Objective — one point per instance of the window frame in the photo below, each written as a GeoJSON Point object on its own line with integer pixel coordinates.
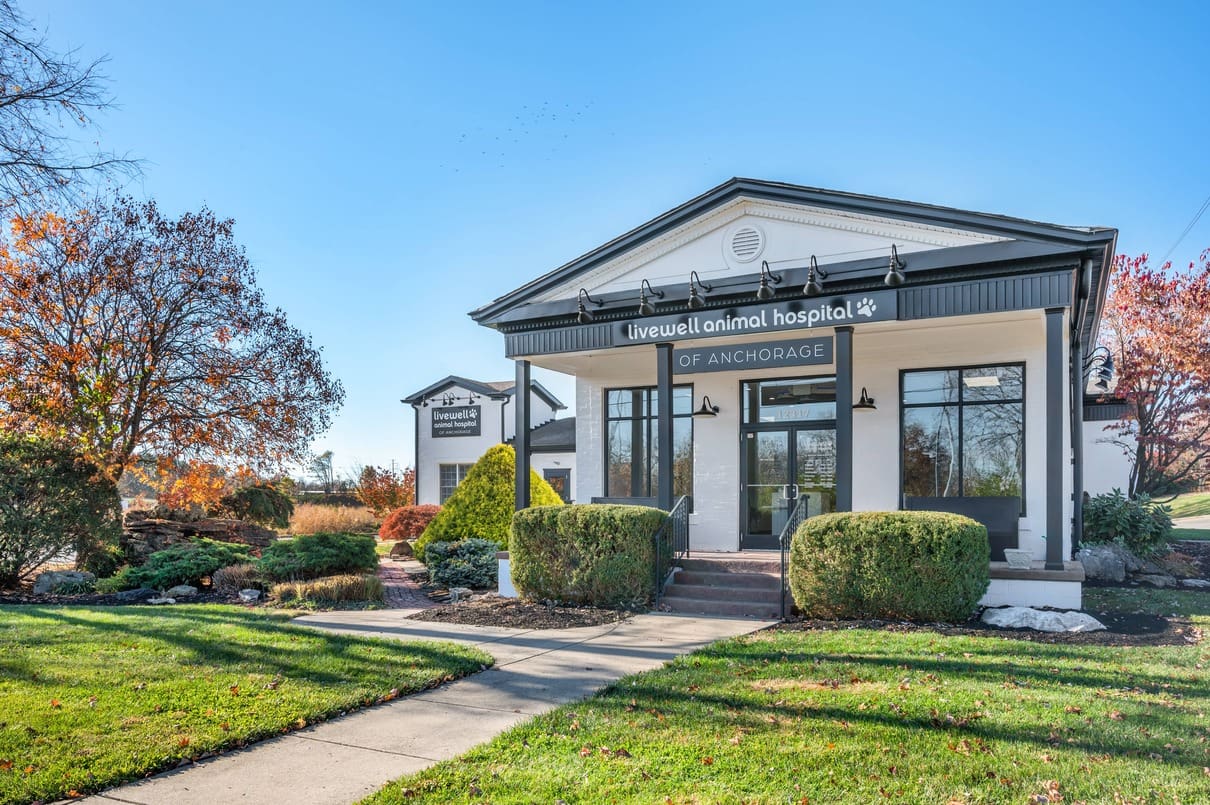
{"type": "Point", "coordinates": [959, 403]}
{"type": "Point", "coordinates": [460, 472]}
{"type": "Point", "coordinates": [606, 419]}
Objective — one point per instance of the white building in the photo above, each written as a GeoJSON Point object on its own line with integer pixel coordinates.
{"type": "Point", "coordinates": [846, 351]}
{"type": "Point", "coordinates": [457, 420]}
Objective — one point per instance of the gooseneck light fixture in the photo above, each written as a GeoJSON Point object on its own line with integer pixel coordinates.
{"type": "Point", "coordinates": [695, 299]}
{"type": "Point", "coordinates": [814, 287]}
{"type": "Point", "coordinates": [865, 403]}
{"type": "Point", "coordinates": [894, 273]}
{"type": "Point", "coordinates": [583, 316]}
{"type": "Point", "coordinates": [708, 408]}
{"type": "Point", "coordinates": [1100, 363]}
{"type": "Point", "coordinates": [765, 291]}
{"type": "Point", "coordinates": [645, 306]}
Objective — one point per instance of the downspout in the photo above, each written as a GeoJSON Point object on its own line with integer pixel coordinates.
{"type": "Point", "coordinates": [503, 404]}
{"type": "Point", "coordinates": [1078, 348]}
{"type": "Point", "coordinates": [416, 451]}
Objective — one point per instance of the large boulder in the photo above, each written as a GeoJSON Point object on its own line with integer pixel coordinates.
{"type": "Point", "coordinates": [143, 533]}
{"type": "Point", "coordinates": [51, 580]}
{"type": "Point", "coordinates": [402, 549]}
{"type": "Point", "coordinates": [1041, 620]}
{"type": "Point", "coordinates": [1108, 561]}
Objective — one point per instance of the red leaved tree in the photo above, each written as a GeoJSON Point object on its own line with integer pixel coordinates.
{"type": "Point", "coordinates": [1157, 325]}
{"type": "Point", "coordinates": [382, 490]}
{"type": "Point", "coordinates": [129, 333]}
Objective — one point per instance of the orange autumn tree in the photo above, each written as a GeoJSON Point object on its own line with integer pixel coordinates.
{"type": "Point", "coordinates": [130, 333]}
{"type": "Point", "coordinates": [1157, 326]}
{"type": "Point", "coordinates": [383, 490]}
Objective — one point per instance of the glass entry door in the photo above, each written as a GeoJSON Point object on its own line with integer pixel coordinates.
{"type": "Point", "coordinates": [779, 466]}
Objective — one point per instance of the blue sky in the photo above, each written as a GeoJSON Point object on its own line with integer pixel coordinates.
{"type": "Point", "coordinates": [391, 166]}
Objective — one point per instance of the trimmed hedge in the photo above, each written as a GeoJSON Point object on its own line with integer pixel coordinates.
{"type": "Point", "coordinates": [312, 555]}
{"type": "Point", "coordinates": [597, 554]}
{"type": "Point", "coordinates": [482, 505]}
{"type": "Point", "coordinates": [917, 565]}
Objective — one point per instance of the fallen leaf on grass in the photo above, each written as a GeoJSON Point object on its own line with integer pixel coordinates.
{"type": "Point", "coordinates": [55, 703]}
{"type": "Point", "coordinates": [7, 765]}
{"type": "Point", "coordinates": [707, 761]}
{"type": "Point", "coordinates": [1116, 715]}
{"type": "Point", "coordinates": [234, 690]}
{"type": "Point", "coordinates": [1071, 708]}
{"type": "Point", "coordinates": [183, 741]}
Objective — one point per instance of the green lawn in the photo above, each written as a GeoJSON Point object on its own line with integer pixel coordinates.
{"type": "Point", "coordinates": [93, 696]}
{"type": "Point", "coordinates": [1189, 533]}
{"type": "Point", "coordinates": [860, 716]}
{"type": "Point", "coordinates": [1192, 504]}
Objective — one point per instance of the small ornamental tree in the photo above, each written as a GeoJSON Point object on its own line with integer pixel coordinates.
{"type": "Point", "coordinates": [1156, 326]}
{"type": "Point", "coordinates": [383, 490]}
{"type": "Point", "coordinates": [51, 501]}
{"type": "Point", "coordinates": [483, 504]}
{"type": "Point", "coordinates": [408, 522]}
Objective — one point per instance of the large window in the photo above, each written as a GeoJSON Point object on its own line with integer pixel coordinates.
{"type": "Point", "coordinates": [632, 446]}
{"type": "Point", "coordinates": [449, 476]}
{"type": "Point", "coordinates": [964, 432]}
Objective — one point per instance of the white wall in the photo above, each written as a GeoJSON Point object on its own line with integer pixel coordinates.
{"type": "Point", "coordinates": [432, 452]}
{"type": "Point", "coordinates": [1106, 465]}
{"type": "Point", "coordinates": [880, 352]}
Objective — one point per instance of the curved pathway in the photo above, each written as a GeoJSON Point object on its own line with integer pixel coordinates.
{"type": "Point", "coordinates": [399, 590]}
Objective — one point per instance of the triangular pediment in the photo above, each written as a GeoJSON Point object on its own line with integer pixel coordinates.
{"type": "Point", "coordinates": [734, 239]}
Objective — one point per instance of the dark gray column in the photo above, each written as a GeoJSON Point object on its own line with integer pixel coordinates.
{"type": "Point", "coordinates": [1054, 438]}
{"type": "Point", "coordinates": [844, 419]}
{"type": "Point", "coordinates": [663, 426]}
{"type": "Point", "coordinates": [1077, 442]}
{"type": "Point", "coordinates": [521, 439]}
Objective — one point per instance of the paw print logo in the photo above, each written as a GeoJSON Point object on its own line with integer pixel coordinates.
{"type": "Point", "coordinates": [866, 306]}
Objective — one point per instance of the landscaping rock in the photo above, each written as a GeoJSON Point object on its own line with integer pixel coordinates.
{"type": "Point", "coordinates": [181, 591]}
{"type": "Point", "coordinates": [460, 594]}
{"type": "Point", "coordinates": [1108, 561]}
{"type": "Point", "coordinates": [1161, 580]}
{"type": "Point", "coordinates": [402, 548]}
{"type": "Point", "coordinates": [249, 596]}
{"type": "Point", "coordinates": [161, 600]}
{"type": "Point", "coordinates": [48, 581]}
{"type": "Point", "coordinates": [1196, 584]}
{"type": "Point", "coordinates": [143, 533]}
{"type": "Point", "coordinates": [1041, 620]}
{"type": "Point", "coordinates": [134, 596]}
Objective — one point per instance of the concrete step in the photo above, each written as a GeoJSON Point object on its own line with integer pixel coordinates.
{"type": "Point", "coordinates": [731, 565]}
{"type": "Point", "coordinates": [756, 580]}
{"type": "Point", "coordinates": [740, 594]}
{"type": "Point", "coordinates": [743, 609]}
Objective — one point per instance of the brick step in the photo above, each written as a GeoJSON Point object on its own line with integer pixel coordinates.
{"type": "Point", "coordinates": [761, 581]}
{"type": "Point", "coordinates": [739, 594]}
{"type": "Point", "coordinates": [744, 609]}
{"type": "Point", "coordinates": [728, 565]}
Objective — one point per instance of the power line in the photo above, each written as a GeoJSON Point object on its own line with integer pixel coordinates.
{"type": "Point", "coordinates": [1202, 209]}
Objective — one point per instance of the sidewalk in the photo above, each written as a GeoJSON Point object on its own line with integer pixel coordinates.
{"type": "Point", "coordinates": [340, 761]}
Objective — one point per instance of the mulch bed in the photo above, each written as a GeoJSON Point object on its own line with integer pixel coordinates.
{"type": "Point", "coordinates": [1121, 629]}
{"type": "Point", "coordinates": [1199, 550]}
{"type": "Point", "coordinates": [109, 599]}
{"type": "Point", "coordinates": [491, 610]}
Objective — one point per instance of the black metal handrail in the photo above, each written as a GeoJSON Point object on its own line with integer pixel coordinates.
{"type": "Point", "coordinates": [671, 544]}
{"type": "Point", "coordinates": [797, 515]}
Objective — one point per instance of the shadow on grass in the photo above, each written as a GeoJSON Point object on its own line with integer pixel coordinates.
{"type": "Point", "coordinates": [345, 654]}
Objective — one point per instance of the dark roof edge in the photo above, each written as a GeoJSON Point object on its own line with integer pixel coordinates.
{"type": "Point", "coordinates": [481, 388]}
{"type": "Point", "coordinates": [778, 191]}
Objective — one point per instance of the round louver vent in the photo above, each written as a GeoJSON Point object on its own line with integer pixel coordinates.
{"type": "Point", "coordinates": [746, 243]}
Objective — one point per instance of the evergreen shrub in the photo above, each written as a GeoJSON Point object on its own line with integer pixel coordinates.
{"type": "Point", "coordinates": [468, 563]}
{"type": "Point", "coordinates": [482, 505]}
{"type": "Point", "coordinates": [312, 555]}
{"type": "Point", "coordinates": [263, 504]}
{"type": "Point", "coordinates": [597, 554]}
{"type": "Point", "coordinates": [185, 563]}
{"type": "Point", "coordinates": [910, 565]}
{"type": "Point", "coordinates": [1138, 523]}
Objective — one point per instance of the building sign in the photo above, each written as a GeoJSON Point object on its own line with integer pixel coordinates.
{"type": "Point", "coordinates": [456, 420]}
{"type": "Point", "coordinates": [798, 314]}
{"type": "Point", "coordinates": [756, 355]}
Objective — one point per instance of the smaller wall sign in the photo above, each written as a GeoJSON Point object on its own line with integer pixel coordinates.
{"type": "Point", "coordinates": [456, 420]}
{"type": "Point", "coordinates": [757, 355]}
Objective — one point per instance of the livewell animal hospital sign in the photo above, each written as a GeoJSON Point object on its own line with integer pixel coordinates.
{"type": "Point", "coordinates": [799, 314]}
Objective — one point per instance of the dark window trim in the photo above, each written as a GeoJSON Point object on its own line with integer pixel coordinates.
{"type": "Point", "coordinates": [606, 419]}
{"type": "Point", "coordinates": [774, 425]}
{"type": "Point", "coordinates": [959, 403]}
{"type": "Point", "coordinates": [559, 472]}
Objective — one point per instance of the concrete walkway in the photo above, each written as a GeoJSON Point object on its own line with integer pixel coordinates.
{"type": "Point", "coordinates": [340, 761]}
{"type": "Point", "coordinates": [1201, 521]}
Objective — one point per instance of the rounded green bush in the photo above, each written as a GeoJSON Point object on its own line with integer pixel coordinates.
{"type": "Point", "coordinates": [598, 554]}
{"type": "Point", "coordinates": [482, 505]}
{"type": "Point", "coordinates": [1138, 523]}
{"type": "Point", "coordinates": [310, 556]}
{"type": "Point", "coordinates": [917, 565]}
